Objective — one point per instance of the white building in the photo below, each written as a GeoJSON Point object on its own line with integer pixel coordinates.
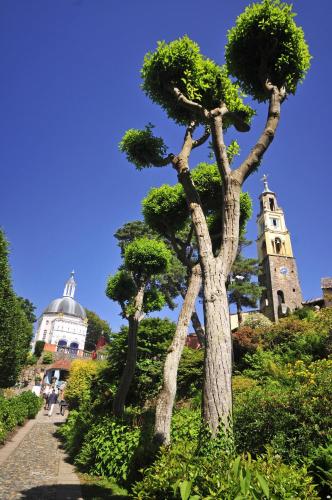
{"type": "Point", "coordinates": [64, 322]}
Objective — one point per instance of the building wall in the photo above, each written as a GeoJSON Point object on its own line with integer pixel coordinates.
{"type": "Point", "coordinates": [55, 327]}
{"type": "Point", "coordinates": [279, 274]}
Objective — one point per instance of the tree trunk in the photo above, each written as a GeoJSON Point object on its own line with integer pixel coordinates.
{"type": "Point", "coordinates": [167, 394]}
{"type": "Point", "coordinates": [129, 369]}
{"type": "Point", "coordinates": [239, 313]}
{"type": "Point", "coordinates": [217, 387]}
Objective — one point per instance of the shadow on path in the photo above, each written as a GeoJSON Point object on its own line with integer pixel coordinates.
{"type": "Point", "coordinates": [69, 492]}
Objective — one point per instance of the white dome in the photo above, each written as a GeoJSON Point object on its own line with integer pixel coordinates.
{"type": "Point", "coordinates": [66, 305]}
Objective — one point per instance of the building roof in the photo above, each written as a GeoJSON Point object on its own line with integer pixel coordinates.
{"type": "Point", "coordinates": [60, 364]}
{"type": "Point", "coordinates": [66, 305]}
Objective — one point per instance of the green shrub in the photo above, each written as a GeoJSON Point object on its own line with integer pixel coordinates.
{"type": "Point", "coordinates": [108, 449]}
{"type": "Point", "coordinates": [195, 467]}
{"type": "Point", "coordinates": [292, 411]}
{"type": "Point", "coordinates": [48, 358]}
{"type": "Point", "coordinates": [321, 468]}
{"type": "Point", "coordinates": [31, 359]}
{"type": "Point", "coordinates": [15, 410]}
{"type": "Point", "coordinates": [39, 347]}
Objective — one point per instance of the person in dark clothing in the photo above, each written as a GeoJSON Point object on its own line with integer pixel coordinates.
{"type": "Point", "coordinates": [52, 399]}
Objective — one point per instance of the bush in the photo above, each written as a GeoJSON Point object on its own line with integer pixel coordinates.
{"type": "Point", "coordinates": [291, 411]}
{"type": "Point", "coordinates": [48, 358]}
{"type": "Point", "coordinates": [39, 347]}
{"type": "Point", "coordinates": [108, 449]}
{"type": "Point", "coordinates": [15, 410]}
{"type": "Point", "coordinates": [197, 467]}
{"type": "Point", "coordinates": [31, 359]}
{"type": "Point", "coordinates": [82, 373]}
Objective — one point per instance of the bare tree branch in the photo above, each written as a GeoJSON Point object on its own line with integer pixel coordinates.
{"type": "Point", "coordinates": [202, 139]}
{"type": "Point", "coordinates": [277, 96]}
{"type": "Point", "coordinates": [164, 161]}
{"type": "Point", "coordinates": [188, 104]}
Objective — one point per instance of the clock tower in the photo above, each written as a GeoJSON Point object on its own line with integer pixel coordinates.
{"type": "Point", "coordinates": [279, 272]}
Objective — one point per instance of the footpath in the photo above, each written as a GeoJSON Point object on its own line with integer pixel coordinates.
{"type": "Point", "coordinates": [33, 466]}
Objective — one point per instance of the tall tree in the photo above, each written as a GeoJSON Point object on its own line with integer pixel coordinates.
{"type": "Point", "coordinates": [15, 328]}
{"type": "Point", "coordinates": [268, 56]}
{"type": "Point", "coordinates": [165, 210]}
{"type": "Point", "coordinates": [96, 328]}
{"type": "Point", "coordinates": [29, 309]}
{"type": "Point", "coordinates": [134, 288]}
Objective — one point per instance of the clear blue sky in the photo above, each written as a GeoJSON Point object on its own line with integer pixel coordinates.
{"type": "Point", "coordinates": [70, 87]}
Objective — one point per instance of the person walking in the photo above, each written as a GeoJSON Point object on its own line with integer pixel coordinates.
{"type": "Point", "coordinates": [52, 399]}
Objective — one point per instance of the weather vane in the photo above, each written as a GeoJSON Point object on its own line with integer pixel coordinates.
{"type": "Point", "coordinates": [264, 179]}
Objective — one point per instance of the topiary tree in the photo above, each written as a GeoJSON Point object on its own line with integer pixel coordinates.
{"type": "Point", "coordinates": [137, 293]}
{"type": "Point", "coordinates": [267, 54]}
{"type": "Point", "coordinates": [165, 211]}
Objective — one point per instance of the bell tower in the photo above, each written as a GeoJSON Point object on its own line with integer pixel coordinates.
{"type": "Point", "coordinates": [279, 272]}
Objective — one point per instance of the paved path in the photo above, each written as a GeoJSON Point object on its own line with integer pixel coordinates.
{"type": "Point", "coordinates": [33, 466]}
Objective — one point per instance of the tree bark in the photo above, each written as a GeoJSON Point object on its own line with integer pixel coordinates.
{"type": "Point", "coordinates": [217, 391]}
{"type": "Point", "coordinates": [129, 369]}
{"type": "Point", "coordinates": [239, 313]}
{"type": "Point", "coordinates": [167, 394]}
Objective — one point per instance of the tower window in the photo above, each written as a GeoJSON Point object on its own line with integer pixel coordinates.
{"type": "Point", "coordinates": [281, 297]}
{"type": "Point", "coordinates": [271, 203]}
{"type": "Point", "coordinates": [275, 223]}
{"type": "Point", "coordinates": [277, 242]}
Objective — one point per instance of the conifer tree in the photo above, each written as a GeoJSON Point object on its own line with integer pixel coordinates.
{"type": "Point", "coordinates": [242, 290]}
{"type": "Point", "coordinates": [15, 328]}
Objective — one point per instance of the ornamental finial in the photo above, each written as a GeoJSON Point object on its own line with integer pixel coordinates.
{"type": "Point", "coordinates": [266, 187]}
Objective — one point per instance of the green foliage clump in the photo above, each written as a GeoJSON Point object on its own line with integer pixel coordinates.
{"type": "Point", "coordinates": [142, 148]}
{"type": "Point", "coordinates": [180, 64]}
{"type": "Point", "coordinates": [165, 208]}
{"type": "Point", "coordinates": [82, 373]}
{"type": "Point", "coordinates": [266, 44]}
{"type": "Point", "coordinates": [48, 358]}
{"type": "Point", "coordinates": [153, 340]}
{"type": "Point", "coordinates": [291, 411]}
{"type": "Point", "coordinates": [146, 257]}
{"type": "Point", "coordinates": [190, 372]}
{"type": "Point", "coordinates": [97, 327]}
{"type": "Point", "coordinates": [121, 287]}
{"type": "Point", "coordinates": [108, 448]}
{"type": "Point", "coordinates": [39, 347]}
{"type": "Point", "coordinates": [195, 466]}
{"type": "Point", "coordinates": [15, 410]}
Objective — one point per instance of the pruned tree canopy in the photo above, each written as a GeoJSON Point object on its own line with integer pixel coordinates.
{"type": "Point", "coordinates": [266, 45]}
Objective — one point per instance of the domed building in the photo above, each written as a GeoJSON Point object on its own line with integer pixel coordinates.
{"type": "Point", "coordinates": [63, 322]}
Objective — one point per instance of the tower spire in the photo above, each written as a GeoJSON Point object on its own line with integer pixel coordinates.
{"type": "Point", "coordinates": [70, 286]}
{"type": "Point", "coordinates": [266, 187]}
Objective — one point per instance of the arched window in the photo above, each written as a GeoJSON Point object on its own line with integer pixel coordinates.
{"type": "Point", "coordinates": [62, 343]}
{"type": "Point", "coordinates": [271, 203]}
{"type": "Point", "coordinates": [281, 297]}
{"type": "Point", "coordinates": [73, 346]}
{"type": "Point", "coordinates": [277, 242]}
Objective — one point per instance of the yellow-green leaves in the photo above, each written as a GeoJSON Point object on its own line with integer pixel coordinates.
{"type": "Point", "coordinates": [179, 64]}
{"type": "Point", "coordinates": [165, 208]}
{"type": "Point", "coordinates": [147, 257]}
{"type": "Point", "coordinates": [142, 148]}
{"type": "Point", "coordinates": [266, 44]}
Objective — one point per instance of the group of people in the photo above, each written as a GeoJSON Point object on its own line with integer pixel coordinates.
{"type": "Point", "coordinates": [52, 394]}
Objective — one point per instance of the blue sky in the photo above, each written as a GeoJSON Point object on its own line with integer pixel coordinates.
{"type": "Point", "coordinates": [70, 87]}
